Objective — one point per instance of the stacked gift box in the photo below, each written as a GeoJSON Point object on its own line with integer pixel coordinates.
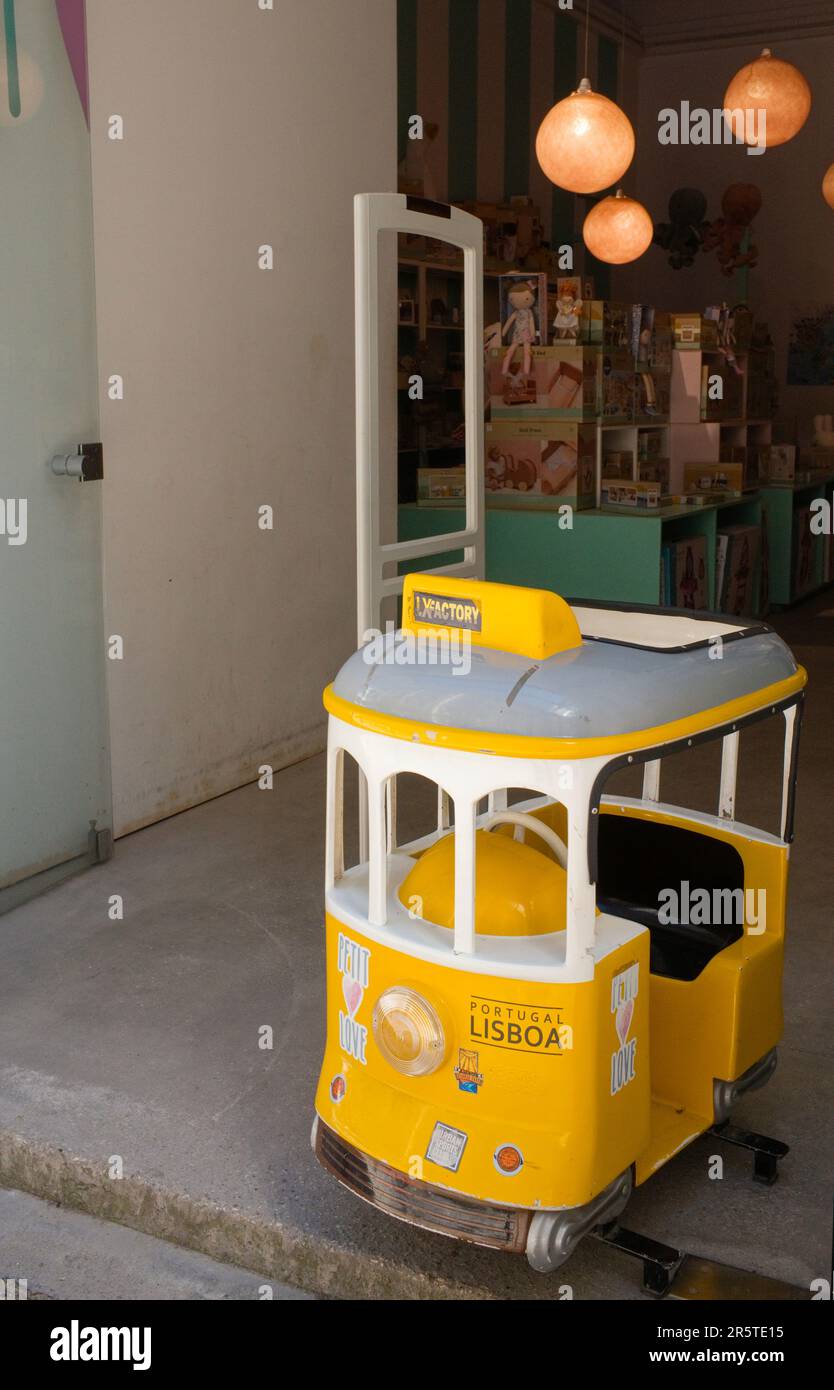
{"type": "Point", "coordinates": [540, 463]}
{"type": "Point", "coordinates": [608, 362]}
{"type": "Point", "coordinates": [543, 401]}
{"type": "Point", "coordinates": [722, 388]}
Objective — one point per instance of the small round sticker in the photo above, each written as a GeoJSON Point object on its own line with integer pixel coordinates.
{"type": "Point", "coordinates": [338, 1087]}
{"type": "Point", "coordinates": [508, 1160]}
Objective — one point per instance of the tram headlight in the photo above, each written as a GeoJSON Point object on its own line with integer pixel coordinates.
{"type": "Point", "coordinates": [408, 1032]}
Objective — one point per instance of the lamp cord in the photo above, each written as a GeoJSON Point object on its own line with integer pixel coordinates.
{"type": "Point", "coordinates": [587, 32]}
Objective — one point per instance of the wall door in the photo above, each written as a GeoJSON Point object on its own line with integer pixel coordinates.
{"type": "Point", "coordinates": [54, 773]}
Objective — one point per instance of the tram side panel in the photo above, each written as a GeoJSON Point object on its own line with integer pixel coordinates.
{"type": "Point", "coordinates": [560, 1071]}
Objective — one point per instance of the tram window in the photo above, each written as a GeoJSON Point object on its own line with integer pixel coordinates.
{"type": "Point", "coordinates": [639, 860]}
{"type": "Point", "coordinates": [417, 807]}
{"type": "Point", "coordinates": [761, 748]}
{"type": "Point", "coordinates": [515, 795]}
{"type": "Point", "coordinates": [351, 810]}
{"type": "Point", "coordinates": [626, 781]}
{"type": "Point", "coordinates": [691, 777]}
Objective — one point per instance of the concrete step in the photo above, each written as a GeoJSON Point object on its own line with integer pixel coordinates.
{"type": "Point", "coordinates": [226, 1235]}
{"type": "Point", "coordinates": [50, 1252]}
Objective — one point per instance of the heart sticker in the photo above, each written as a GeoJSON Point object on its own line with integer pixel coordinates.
{"type": "Point", "coordinates": [353, 993]}
{"type": "Point", "coordinates": [622, 1021]}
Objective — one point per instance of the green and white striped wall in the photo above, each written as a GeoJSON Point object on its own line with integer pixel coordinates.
{"type": "Point", "coordinates": [487, 71]}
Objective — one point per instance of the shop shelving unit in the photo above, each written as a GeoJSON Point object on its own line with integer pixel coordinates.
{"type": "Point", "coordinates": [781, 504]}
{"type": "Point", "coordinates": [697, 436]}
{"type": "Point", "coordinates": [612, 554]}
{"type": "Point", "coordinates": [426, 429]}
{"type": "Point", "coordinates": [606, 555]}
{"type": "Point", "coordinates": [426, 435]}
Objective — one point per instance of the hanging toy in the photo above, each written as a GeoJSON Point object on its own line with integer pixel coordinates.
{"type": "Point", "coordinates": [725, 236]}
{"type": "Point", "coordinates": [683, 234]}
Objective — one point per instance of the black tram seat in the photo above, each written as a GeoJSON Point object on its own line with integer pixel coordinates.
{"type": "Point", "coordinates": [638, 858]}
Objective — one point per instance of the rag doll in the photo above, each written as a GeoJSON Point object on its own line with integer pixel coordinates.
{"type": "Point", "coordinates": [521, 324]}
{"type": "Point", "coordinates": [566, 322]}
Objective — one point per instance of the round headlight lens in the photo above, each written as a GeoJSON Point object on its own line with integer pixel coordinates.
{"type": "Point", "coordinates": [408, 1032]}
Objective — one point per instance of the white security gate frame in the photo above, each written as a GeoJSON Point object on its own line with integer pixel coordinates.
{"type": "Point", "coordinates": [374, 213]}
{"type": "Point", "coordinates": [396, 212]}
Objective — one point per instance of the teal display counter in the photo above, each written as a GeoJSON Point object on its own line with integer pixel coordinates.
{"type": "Point", "coordinates": [606, 555]}
{"type": "Point", "coordinates": [792, 575]}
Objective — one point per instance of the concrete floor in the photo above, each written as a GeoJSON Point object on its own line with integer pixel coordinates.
{"type": "Point", "coordinates": [132, 1084]}
{"type": "Point", "coordinates": [63, 1254]}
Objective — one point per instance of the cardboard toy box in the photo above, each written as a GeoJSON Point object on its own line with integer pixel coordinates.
{"type": "Point", "coordinates": [640, 497]}
{"type": "Point", "coordinates": [652, 396]}
{"type": "Point", "coordinates": [437, 487]}
{"type": "Point", "coordinates": [606, 324]}
{"type": "Point", "coordinates": [686, 499]}
{"type": "Point", "coordinates": [748, 456]}
{"type": "Point", "coordinates": [820, 459]}
{"type": "Point", "coordinates": [656, 470]}
{"type": "Point", "coordinates": [642, 334]}
{"type": "Point", "coordinates": [538, 463]}
{"type": "Point", "coordinates": [561, 386]}
{"type": "Point", "coordinates": [694, 333]}
{"type": "Point", "coordinates": [617, 463]}
{"type": "Point", "coordinates": [651, 341]}
{"type": "Point", "coordinates": [617, 387]}
{"type": "Point", "coordinates": [777, 463]}
{"type": "Point", "coordinates": [663, 344]}
{"type": "Point", "coordinates": [511, 229]}
{"type": "Point", "coordinates": [689, 575]}
{"type": "Point", "coordinates": [724, 401]}
{"type": "Point", "coordinates": [650, 444]}
{"type": "Point", "coordinates": [726, 478]}
{"type": "Point", "coordinates": [740, 568]}
{"type": "Point", "coordinates": [532, 289]}
{"type": "Point", "coordinates": [804, 553]}
{"type": "Point", "coordinates": [740, 328]}
{"type": "Point", "coordinates": [565, 310]}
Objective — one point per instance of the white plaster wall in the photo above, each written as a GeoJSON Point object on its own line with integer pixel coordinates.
{"type": "Point", "coordinates": [243, 126]}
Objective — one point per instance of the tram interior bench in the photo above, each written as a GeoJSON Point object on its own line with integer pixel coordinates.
{"type": "Point", "coordinates": [638, 859]}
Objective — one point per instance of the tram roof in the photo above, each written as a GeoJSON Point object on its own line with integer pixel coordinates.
{"type": "Point", "coordinates": [591, 678]}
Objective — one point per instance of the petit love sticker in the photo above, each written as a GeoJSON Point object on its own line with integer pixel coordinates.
{"type": "Point", "coordinates": [624, 989]}
{"type": "Point", "coordinates": [354, 963]}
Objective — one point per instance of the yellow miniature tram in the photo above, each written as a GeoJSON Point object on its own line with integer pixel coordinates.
{"type": "Point", "coordinates": [521, 1027]}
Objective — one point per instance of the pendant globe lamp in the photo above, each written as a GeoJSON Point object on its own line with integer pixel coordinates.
{"type": "Point", "coordinates": [585, 143]}
{"type": "Point", "coordinates": [772, 86]}
{"type": "Point", "coordinates": [618, 230]}
{"type": "Point", "coordinates": [828, 187]}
